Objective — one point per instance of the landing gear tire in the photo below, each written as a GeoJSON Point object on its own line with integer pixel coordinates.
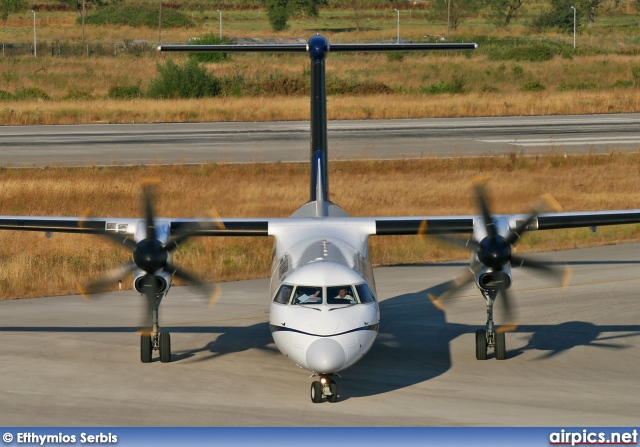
{"type": "Point", "coordinates": [501, 346]}
{"type": "Point", "coordinates": [165, 347]}
{"type": "Point", "coordinates": [145, 348]}
{"type": "Point", "coordinates": [481, 344]}
{"type": "Point", "coordinates": [316, 392]}
{"type": "Point", "coordinates": [333, 387]}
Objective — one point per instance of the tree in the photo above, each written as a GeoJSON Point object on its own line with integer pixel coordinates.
{"type": "Point", "coordinates": [505, 11]}
{"type": "Point", "coordinates": [11, 6]}
{"type": "Point", "coordinates": [358, 6]}
{"type": "Point", "coordinates": [592, 9]}
{"type": "Point", "coordinates": [279, 11]}
{"type": "Point", "coordinates": [561, 15]}
{"type": "Point", "coordinates": [455, 11]}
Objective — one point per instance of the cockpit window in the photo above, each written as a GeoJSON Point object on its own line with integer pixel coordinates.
{"type": "Point", "coordinates": [341, 295]}
{"type": "Point", "coordinates": [365, 294]}
{"type": "Point", "coordinates": [307, 295]}
{"type": "Point", "coordinates": [284, 294]}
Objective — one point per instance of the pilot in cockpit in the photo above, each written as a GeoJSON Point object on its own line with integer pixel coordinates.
{"type": "Point", "coordinates": [343, 295]}
{"type": "Point", "coordinates": [316, 297]}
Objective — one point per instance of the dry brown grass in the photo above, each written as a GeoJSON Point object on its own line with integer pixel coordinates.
{"type": "Point", "coordinates": [33, 265]}
{"type": "Point", "coordinates": [491, 89]}
{"type": "Point", "coordinates": [297, 108]}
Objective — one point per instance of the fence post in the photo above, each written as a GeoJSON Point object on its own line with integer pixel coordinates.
{"type": "Point", "coordinates": [58, 48]}
{"type": "Point", "coordinates": [87, 50]}
{"type": "Point", "coordinates": [115, 49]}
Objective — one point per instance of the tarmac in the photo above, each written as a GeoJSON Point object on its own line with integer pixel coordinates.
{"type": "Point", "coordinates": [572, 361]}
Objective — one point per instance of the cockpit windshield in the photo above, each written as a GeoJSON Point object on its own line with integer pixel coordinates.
{"type": "Point", "coordinates": [341, 295]}
{"type": "Point", "coordinates": [345, 294]}
{"type": "Point", "coordinates": [307, 295]}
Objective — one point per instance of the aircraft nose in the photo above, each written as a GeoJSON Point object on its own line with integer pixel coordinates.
{"type": "Point", "coordinates": [325, 356]}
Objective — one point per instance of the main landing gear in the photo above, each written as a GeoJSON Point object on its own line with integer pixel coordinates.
{"type": "Point", "coordinates": [324, 387]}
{"type": "Point", "coordinates": [154, 340]}
{"type": "Point", "coordinates": [490, 338]}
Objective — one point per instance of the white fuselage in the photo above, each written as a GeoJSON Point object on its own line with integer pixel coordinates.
{"type": "Point", "coordinates": [316, 260]}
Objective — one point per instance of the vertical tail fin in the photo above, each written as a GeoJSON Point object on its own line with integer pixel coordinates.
{"type": "Point", "coordinates": [318, 48]}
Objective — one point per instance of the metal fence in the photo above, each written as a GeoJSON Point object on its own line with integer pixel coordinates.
{"type": "Point", "coordinates": [78, 49]}
{"type": "Point", "coordinates": [583, 43]}
{"type": "Point", "coordinates": [143, 48]}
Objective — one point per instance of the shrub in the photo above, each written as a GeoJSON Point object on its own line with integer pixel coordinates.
{"type": "Point", "coordinates": [393, 56]}
{"type": "Point", "coordinates": [125, 91]}
{"type": "Point", "coordinates": [531, 52]}
{"type": "Point", "coordinates": [354, 86]}
{"type": "Point", "coordinates": [134, 15]}
{"type": "Point", "coordinates": [584, 85]}
{"type": "Point", "coordinates": [5, 96]}
{"type": "Point", "coordinates": [623, 83]}
{"type": "Point", "coordinates": [278, 12]}
{"type": "Point", "coordinates": [635, 72]}
{"type": "Point", "coordinates": [187, 81]}
{"type": "Point", "coordinates": [533, 86]}
{"type": "Point", "coordinates": [489, 89]}
{"type": "Point", "coordinates": [456, 86]}
{"type": "Point", "coordinates": [233, 86]}
{"type": "Point", "coordinates": [77, 94]}
{"type": "Point", "coordinates": [208, 39]}
{"type": "Point", "coordinates": [30, 93]}
{"type": "Point", "coordinates": [281, 86]}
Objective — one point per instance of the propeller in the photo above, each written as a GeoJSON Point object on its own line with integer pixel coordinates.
{"type": "Point", "coordinates": [151, 255]}
{"type": "Point", "coordinates": [495, 252]}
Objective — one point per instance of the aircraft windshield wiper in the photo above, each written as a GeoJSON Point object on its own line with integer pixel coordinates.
{"type": "Point", "coordinates": [307, 307]}
{"type": "Point", "coordinates": [342, 307]}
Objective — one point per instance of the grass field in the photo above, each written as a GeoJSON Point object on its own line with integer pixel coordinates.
{"type": "Point", "coordinates": [33, 265]}
{"type": "Point", "coordinates": [601, 76]}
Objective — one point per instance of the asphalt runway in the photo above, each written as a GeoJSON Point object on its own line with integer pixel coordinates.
{"type": "Point", "coordinates": [166, 143]}
{"type": "Point", "coordinates": [572, 362]}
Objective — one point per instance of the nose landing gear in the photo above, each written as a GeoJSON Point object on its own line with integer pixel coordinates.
{"type": "Point", "coordinates": [490, 338]}
{"type": "Point", "coordinates": [152, 339]}
{"type": "Point", "coordinates": [324, 387]}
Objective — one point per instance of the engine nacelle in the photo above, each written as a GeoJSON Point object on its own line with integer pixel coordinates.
{"type": "Point", "coordinates": [492, 281]}
{"type": "Point", "coordinates": [163, 281]}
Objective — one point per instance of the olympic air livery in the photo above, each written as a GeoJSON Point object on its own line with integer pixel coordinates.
{"type": "Point", "coordinates": [324, 313]}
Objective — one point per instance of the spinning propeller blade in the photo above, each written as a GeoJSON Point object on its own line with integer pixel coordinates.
{"type": "Point", "coordinates": [151, 255]}
{"type": "Point", "coordinates": [495, 252]}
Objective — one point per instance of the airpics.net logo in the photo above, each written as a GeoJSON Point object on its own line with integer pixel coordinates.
{"type": "Point", "coordinates": [587, 437]}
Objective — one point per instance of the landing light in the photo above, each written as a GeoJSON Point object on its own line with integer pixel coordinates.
{"type": "Point", "coordinates": [323, 380]}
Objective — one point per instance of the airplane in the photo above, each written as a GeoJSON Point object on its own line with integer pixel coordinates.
{"type": "Point", "coordinates": [324, 313]}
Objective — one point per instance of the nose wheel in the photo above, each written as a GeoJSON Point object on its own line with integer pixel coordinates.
{"type": "Point", "coordinates": [159, 342]}
{"type": "Point", "coordinates": [154, 340]}
{"type": "Point", "coordinates": [490, 338]}
{"type": "Point", "coordinates": [324, 387]}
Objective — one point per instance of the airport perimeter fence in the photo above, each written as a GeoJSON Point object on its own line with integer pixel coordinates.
{"type": "Point", "coordinates": [79, 49]}
{"type": "Point", "coordinates": [140, 48]}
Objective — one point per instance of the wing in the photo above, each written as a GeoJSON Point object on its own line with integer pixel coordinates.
{"type": "Point", "coordinates": [419, 225]}
{"type": "Point", "coordinates": [127, 226]}
{"type": "Point", "coordinates": [389, 226]}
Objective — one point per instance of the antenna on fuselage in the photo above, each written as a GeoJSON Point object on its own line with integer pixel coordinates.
{"type": "Point", "coordinates": [317, 48]}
